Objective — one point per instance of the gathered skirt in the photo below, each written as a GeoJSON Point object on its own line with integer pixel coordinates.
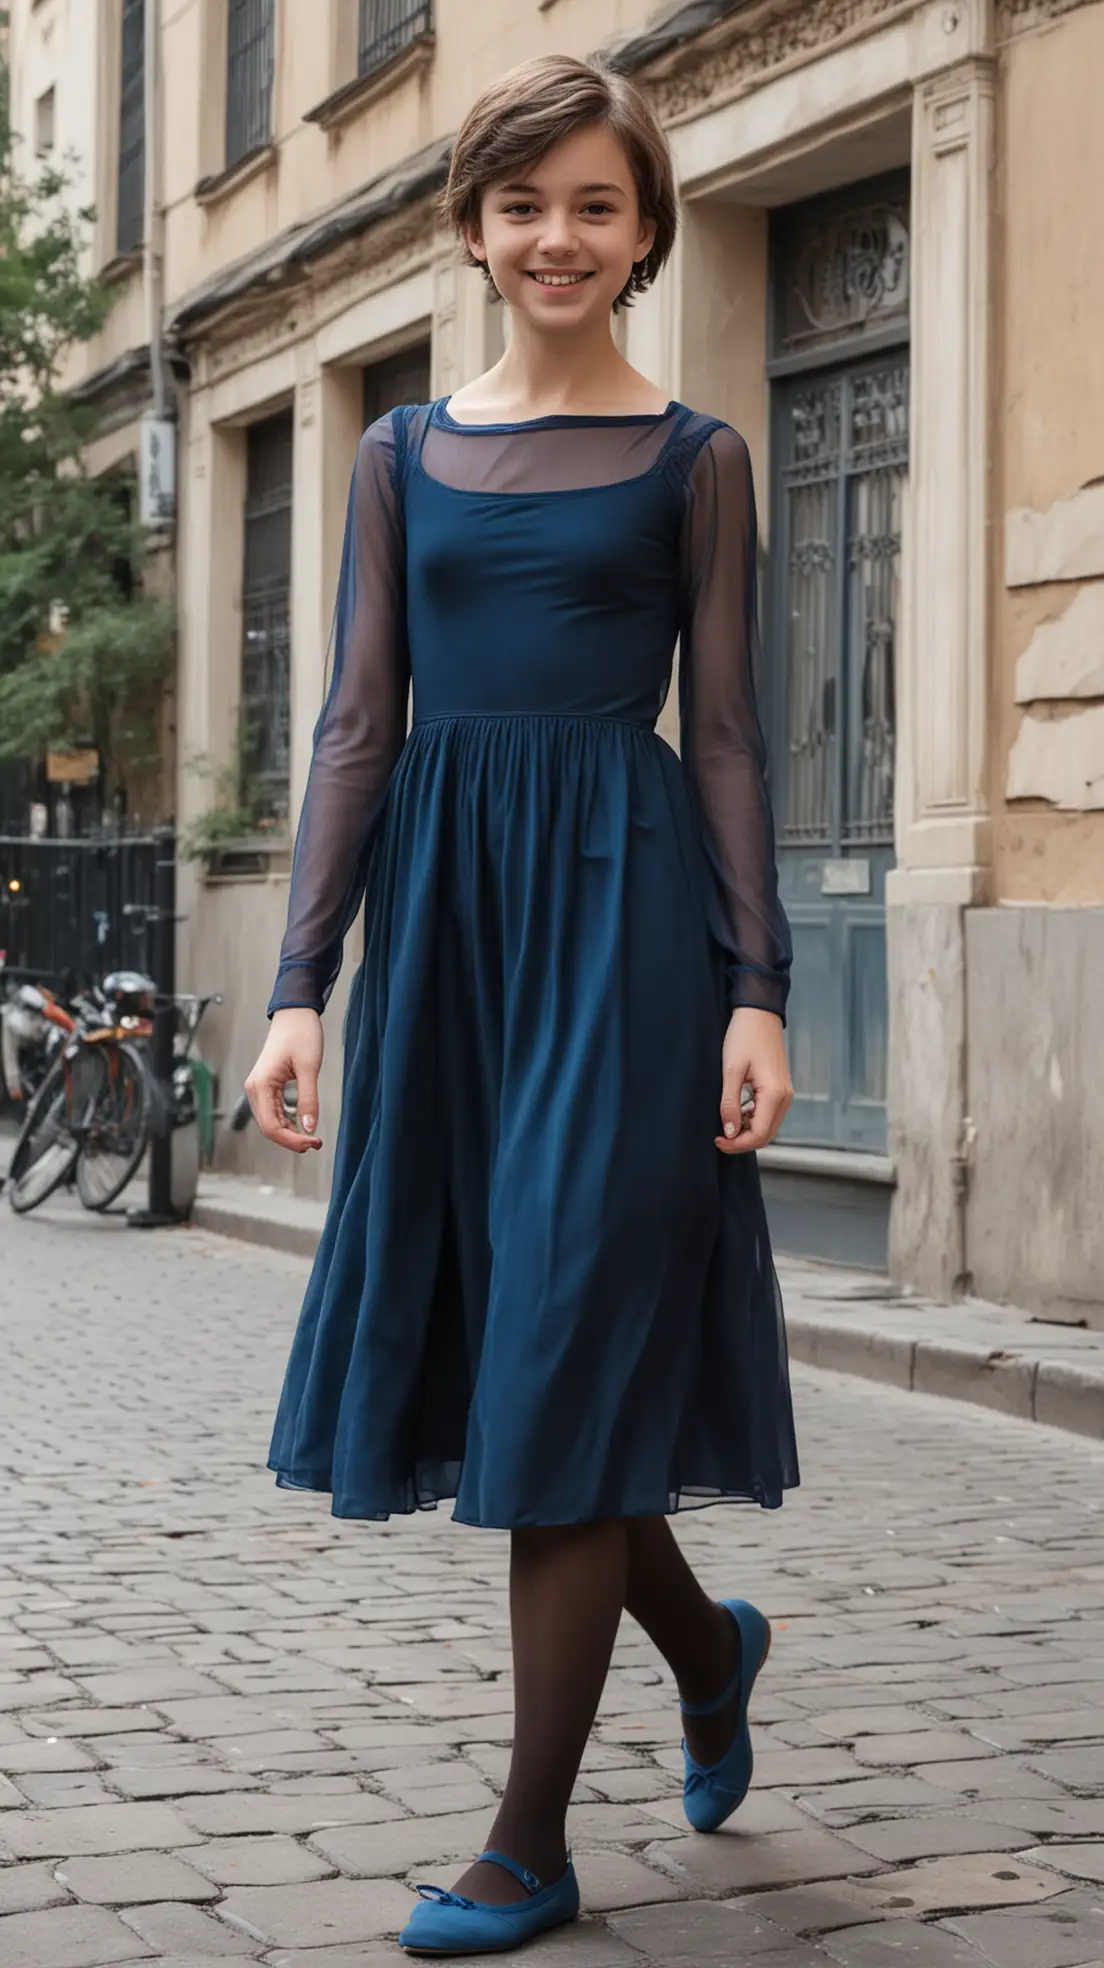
{"type": "Point", "coordinates": [541, 1290]}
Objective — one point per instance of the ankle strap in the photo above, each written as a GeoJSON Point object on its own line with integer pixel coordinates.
{"type": "Point", "coordinates": [521, 1873]}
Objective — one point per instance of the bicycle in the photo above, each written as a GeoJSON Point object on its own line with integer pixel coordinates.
{"type": "Point", "coordinates": [34, 1022]}
{"type": "Point", "coordinates": [89, 1119]}
{"type": "Point", "coordinates": [93, 1115]}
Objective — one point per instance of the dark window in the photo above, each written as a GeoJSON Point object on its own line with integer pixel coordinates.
{"type": "Point", "coordinates": [132, 129]}
{"type": "Point", "coordinates": [250, 63]}
{"type": "Point", "coordinates": [44, 124]}
{"type": "Point", "coordinates": [266, 597]}
{"type": "Point", "coordinates": [389, 26]}
{"type": "Point", "coordinates": [402, 378]}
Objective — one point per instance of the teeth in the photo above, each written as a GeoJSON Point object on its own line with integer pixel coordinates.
{"type": "Point", "coordinates": [559, 279]}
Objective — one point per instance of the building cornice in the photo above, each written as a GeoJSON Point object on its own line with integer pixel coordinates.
{"type": "Point", "coordinates": [702, 55]}
{"type": "Point", "coordinates": [281, 265]}
{"type": "Point", "coordinates": [263, 324]}
{"type": "Point", "coordinates": [735, 48]}
{"type": "Point", "coordinates": [689, 21]}
{"type": "Point", "coordinates": [120, 390]}
{"type": "Point", "coordinates": [1016, 17]}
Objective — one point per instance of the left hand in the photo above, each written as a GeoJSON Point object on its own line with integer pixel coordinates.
{"type": "Point", "coordinates": [755, 1054]}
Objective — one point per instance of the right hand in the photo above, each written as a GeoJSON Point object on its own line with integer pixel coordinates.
{"type": "Point", "coordinates": [292, 1051]}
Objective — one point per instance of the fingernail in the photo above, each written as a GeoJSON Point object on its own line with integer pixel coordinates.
{"type": "Point", "coordinates": [730, 1129]}
{"type": "Point", "coordinates": [308, 1123]}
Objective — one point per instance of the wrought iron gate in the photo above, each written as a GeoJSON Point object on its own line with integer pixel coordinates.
{"type": "Point", "coordinates": [840, 450]}
{"type": "Point", "coordinates": [74, 909]}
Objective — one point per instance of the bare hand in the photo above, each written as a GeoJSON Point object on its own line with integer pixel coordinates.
{"type": "Point", "coordinates": [292, 1051]}
{"type": "Point", "coordinates": [754, 1054]}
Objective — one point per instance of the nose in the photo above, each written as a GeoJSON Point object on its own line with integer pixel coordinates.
{"type": "Point", "coordinates": [557, 238]}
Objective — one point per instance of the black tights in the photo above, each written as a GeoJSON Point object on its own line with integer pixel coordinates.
{"type": "Point", "coordinates": [568, 1585]}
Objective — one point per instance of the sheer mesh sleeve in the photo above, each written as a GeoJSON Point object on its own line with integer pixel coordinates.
{"type": "Point", "coordinates": [359, 734]}
{"type": "Point", "coordinates": [723, 748]}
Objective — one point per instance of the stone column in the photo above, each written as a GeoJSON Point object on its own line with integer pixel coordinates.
{"type": "Point", "coordinates": [943, 833]}
{"type": "Point", "coordinates": [208, 595]}
{"type": "Point", "coordinates": [209, 587]}
{"type": "Point", "coordinates": [468, 325]}
{"type": "Point", "coordinates": [327, 431]}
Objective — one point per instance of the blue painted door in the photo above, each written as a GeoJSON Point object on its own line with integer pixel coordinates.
{"type": "Point", "coordinates": [839, 464]}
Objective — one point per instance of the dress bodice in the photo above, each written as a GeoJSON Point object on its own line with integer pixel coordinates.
{"type": "Point", "coordinates": [546, 568]}
{"type": "Point", "coordinates": [528, 594]}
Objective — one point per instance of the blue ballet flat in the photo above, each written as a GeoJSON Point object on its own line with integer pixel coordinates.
{"type": "Point", "coordinates": [711, 1793]}
{"type": "Point", "coordinates": [447, 1923]}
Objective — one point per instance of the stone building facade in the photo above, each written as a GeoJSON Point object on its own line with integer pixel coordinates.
{"type": "Point", "coordinates": [887, 278]}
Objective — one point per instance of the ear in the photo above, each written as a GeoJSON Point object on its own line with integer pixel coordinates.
{"type": "Point", "coordinates": [473, 241]}
{"type": "Point", "coordinates": [645, 240]}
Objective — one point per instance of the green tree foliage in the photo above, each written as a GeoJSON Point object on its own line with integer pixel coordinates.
{"type": "Point", "coordinates": [83, 652]}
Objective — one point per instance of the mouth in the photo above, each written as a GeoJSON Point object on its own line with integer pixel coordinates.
{"type": "Point", "coordinates": [559, 279]}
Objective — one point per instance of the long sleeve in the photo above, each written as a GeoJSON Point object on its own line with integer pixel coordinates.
{"type": "Point", "coordinates": [723, 749]}
{"type": "Point", "coordinates": [359, 734]}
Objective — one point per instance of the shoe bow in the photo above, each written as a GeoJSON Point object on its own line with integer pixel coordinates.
{"type": "Point", "coordinates": [441, 1898]}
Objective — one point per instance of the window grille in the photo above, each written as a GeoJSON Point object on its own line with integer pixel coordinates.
{"type": "Point", "coordinates": [387, 27]}
{"type": "Point", "coordinates": [266, 599]}
{"type": "Point", "coordinates": [132, 129]}
{"type": "Point", "coordinates": [250, 64]}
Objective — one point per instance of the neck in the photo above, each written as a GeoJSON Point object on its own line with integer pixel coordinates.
{"type": "Point", "coordinates": [555, 370]}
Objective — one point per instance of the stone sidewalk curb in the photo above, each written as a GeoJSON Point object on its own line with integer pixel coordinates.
{"type": "Point", "coordinates": [994, 1356]}
{"type": "Point", "coordinates": [1057, 1393]}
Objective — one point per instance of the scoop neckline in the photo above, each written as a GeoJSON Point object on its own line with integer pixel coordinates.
{"type": "Point", "coordinates": [559, 420]}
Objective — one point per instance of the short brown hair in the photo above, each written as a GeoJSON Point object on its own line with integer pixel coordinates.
{"type": "Point", "coordinates": [524, 114]}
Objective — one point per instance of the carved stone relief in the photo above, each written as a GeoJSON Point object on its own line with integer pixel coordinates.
{"type": "Point", "coordinates": [779, 34]}
{"type": "Point", "coordinates": [258, 326]}
{"type": "Point", "coordinates": [843, 271]}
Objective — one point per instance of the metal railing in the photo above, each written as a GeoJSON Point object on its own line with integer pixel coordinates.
{"type": "Point", "coordinates": [64, 904]}
{"type": "Point", "coordinates": [387, 27]}
{"type": "Point", "coordinates": [266, 627]}
{"type": "Point", "coordinates": [130, 199]}
{"type": "Point", "coordinates": [250, 62]}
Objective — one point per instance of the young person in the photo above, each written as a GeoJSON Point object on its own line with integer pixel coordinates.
{"type": "Point", "coordinates": [545, 1286]}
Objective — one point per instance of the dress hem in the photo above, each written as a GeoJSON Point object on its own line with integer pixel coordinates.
{"type": "Point", "coordinates": [767, 1495]}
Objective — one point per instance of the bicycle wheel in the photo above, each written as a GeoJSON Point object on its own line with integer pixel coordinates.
{"type": "Point", "coordinates": [115, 1126]}
{"type": "Point", "coordinates": [46, 1149]}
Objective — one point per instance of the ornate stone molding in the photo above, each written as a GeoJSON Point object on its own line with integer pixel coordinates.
{"type": "Point", "coordinates": [1015, 17]}
{"type": "Point", "coordinates": [380, 257]}
{"type": "Point", "coordinates": [757, 44]}
{"type": "Point", "coordinates": [249, 330]}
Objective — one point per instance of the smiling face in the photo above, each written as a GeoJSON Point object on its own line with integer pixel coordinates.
{"type": "Point", "coordinates": [560, 238]}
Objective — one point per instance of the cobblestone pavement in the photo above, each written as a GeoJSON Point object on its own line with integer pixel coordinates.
{"type": "Point", "coordinates": [231, 1727]}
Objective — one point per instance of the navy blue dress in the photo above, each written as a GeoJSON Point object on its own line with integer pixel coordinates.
{"type": "Point", "coordinates": [541, 1290]}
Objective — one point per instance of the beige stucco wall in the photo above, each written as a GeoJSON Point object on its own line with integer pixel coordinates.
{"type": "Point", "coordinates": [1049, 447]}
{"type": "Point", "coordinates": [71, 46]}
{"type": "Point", "coordinates": [312, 166]}
{"type": "Point", "coordinates": [994, 106]}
